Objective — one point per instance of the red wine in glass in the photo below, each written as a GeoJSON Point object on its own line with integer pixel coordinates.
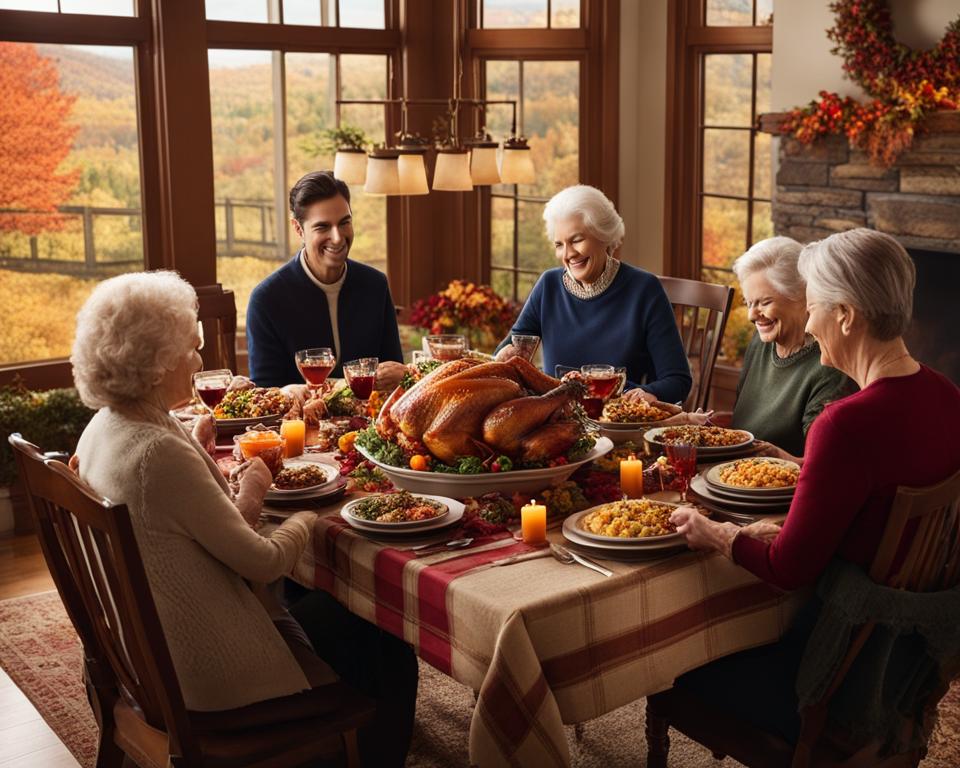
{"type": "Point", "coordinates": [211, 395]}
{"type": "Point", "coordinates": [683, 459]}
{"type": "Point", "coordinates": [593, 406]}
{"type": "Point", "coordinates": [601, 387]}
{"type": "Point", "coordinates": [316, 371]}
{"type": "Point", "coordinates": [361, 385]}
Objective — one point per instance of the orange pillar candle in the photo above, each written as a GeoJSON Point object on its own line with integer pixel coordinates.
{"type": "Point", "coordinates": [533, 522]}
{"type": "Point", "coordinates": [293, 432]}
{"type": "Point", "coordinates": [631, 477]}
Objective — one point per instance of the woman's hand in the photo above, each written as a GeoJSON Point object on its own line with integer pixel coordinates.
{"type": "Point", "coordinates": [764, 448]}
{"type": "Point", "coordinates": [763, 530]}
{"type": "Point", "coordinates": [254, 480]}
{"type": "Point", "coordinates": [389, 374]}
{"type": "Point", "coordinates": [698, 417]}
{"type": "Point", "coordinates": [205, 432]}
{"type": "Point", "coordinates": [639, 394]}
{"type": "Point", "coordinates": [704, 534]}
{"type": "Point", "coordinates": [506, 353]}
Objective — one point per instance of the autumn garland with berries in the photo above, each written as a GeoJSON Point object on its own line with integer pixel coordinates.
{"type": "Point", "coordinates": [906, 85]}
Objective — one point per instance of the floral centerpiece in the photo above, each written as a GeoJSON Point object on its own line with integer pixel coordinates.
{"type": "Point", "coordinates": [476, 311]}
{"type": "Point", "coordinates": [905, 85]}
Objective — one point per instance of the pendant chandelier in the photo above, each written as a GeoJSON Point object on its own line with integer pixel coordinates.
{"type": "Point", "coordinates": [401, 169]}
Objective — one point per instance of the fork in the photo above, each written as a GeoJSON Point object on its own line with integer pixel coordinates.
{"type": "Point", "coordinates": [564, 555]}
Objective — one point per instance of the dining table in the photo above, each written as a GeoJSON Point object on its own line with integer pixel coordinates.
{"type": "Point", "coordinates": [543, 643]}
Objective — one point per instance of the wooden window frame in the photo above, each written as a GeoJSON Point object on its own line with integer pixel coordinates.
{"type": "Point", "coordinates": [688, 40]}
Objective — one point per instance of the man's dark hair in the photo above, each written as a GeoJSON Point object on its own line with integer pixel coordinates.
{"type": "Point", "coordinates": [318, 185]}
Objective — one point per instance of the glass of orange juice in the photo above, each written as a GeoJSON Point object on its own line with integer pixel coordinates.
{"type": "Point", "coordinates": [265, 443]}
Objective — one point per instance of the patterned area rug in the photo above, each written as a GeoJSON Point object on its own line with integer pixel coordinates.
{"type": "Point", "coordinates": [41, 653]}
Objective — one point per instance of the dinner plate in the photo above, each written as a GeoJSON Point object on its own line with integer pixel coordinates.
{"type": "Point", "coordinates": [324, 494]}
{"type": "Point", "coordinates": [755, 505]}
{"type": "Point", "coordinates": [653, 435]}
{"type": "Point", "coordinates": [713, 480]}
{"type": "Point", "coordinates": [636, 541]}
{"type": "Point", "coordinates": [461, 486]}
{"type": "Point", "coordinates": [331, 473]}
{"type": "Point", "coordinates": [614, 548]}
{"type": "Point", "coordinates": [236, 426]}
{"type": "Point", "coordinates": [441, 500]}
{"type": "Point", "coordinates": [455, 511]}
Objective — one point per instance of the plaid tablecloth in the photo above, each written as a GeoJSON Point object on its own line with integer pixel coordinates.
{"type": "Point", "coordinates": [545, 643]}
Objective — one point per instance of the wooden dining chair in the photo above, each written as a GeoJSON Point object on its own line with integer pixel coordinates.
{"type": "Point", "coordinates": [931, 563]}
{"type": "Point", "coordinates": [701, 311]}
{"type": "Point", "coordinates": [89, 545]}
{"type": "Point", "coordinates": [217, 313]}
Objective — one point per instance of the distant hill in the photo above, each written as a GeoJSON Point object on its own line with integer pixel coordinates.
{"type": "Point", "coordinates": [89, 74]}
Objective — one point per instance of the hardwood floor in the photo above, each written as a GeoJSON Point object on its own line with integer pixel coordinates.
{"type": "Point", "coordinates": [25, 739]}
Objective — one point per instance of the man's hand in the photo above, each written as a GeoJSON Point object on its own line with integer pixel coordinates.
{"type": "Point", "coordinates": [389, 375]}
{"type": "Point", "coordinates": [639, 394]}
{"type": "Point", "coordinates": [506, 353]}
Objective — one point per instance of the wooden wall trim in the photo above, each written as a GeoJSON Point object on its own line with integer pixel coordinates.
{"type": "Point", "coordinates": [71, 28]}
{"type": "Point", "coordinates": [235, 34]}
{"type": "Point", "coordinates": [531, 40]}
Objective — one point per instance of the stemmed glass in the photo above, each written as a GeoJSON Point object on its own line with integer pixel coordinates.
{"type": "Point", "coordinates": [211, 386]}
{"type": "Point", "coordinates": [315, 364]}
{"type": "Point", "coordinates": [361, 376]}
{"type": "Point", "coordinates": [525, 345]}
{"type": "Point", "coordinates": [683, 459]}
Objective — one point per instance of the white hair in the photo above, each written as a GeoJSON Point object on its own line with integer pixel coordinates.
{"type": "Point", "coordinates": [130, 332]}
{"type": "Point", "coordinates": [865, 269]}
{"type": "Point", "coordinates": [592, 207]}
{"type": "Point", "coordinates": [777, 258]}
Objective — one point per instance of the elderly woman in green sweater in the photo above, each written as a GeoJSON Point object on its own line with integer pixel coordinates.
{"type": "Point", "coordinates": [783, 387]}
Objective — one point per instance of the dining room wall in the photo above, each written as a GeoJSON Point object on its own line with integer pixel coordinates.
{"type": "Point", "coordinates": [643, 93]}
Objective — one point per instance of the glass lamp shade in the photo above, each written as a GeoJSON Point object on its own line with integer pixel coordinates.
{"type": "Point", "coordinates": [383, 175]}
{"type": "Point", "coordinates": [516, 166]}
{"type": "Point", "coordinates": [483, 164]}
{"type": "Point", "coordinates": [413, 173]}
{"type": "Point", "coordinates": [452, 173]}
{"type": "Point", "coordinates": [350, 165]}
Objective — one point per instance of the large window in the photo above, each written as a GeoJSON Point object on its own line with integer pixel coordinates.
{"type": "Point", "coordinates": [253, 170]}
{"type": "Point", "coordinates": [547, 93]}
{"type": "Point", "coordinates": [70, 191]}
{"type": "Point", "coordinates": [719, 171]}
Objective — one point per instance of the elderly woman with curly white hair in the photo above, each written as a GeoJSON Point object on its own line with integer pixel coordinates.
{"type": "Point", "coordinates": [133, 357]}
{"type": "Point", "coordinates": [596, 309]}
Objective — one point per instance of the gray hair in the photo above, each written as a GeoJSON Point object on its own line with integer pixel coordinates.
{"type": "Point", "coordinates": [592, 206]}
{"type": "Point", "coordinates": [777, 257]}
{"type": "Point", "coordinates": [865, 269]}
{"type": "Point", "coordinates": [130, 332]}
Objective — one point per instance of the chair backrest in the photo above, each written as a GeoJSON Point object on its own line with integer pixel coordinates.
{"type": "Point", "coordinates": [90, 549]}
{"type": "Point", "coordinates": [919, 551]}
{"type": "Point", "coordinates": [217, 312]}
{"type": "Point", "coordinates": [701, 311]}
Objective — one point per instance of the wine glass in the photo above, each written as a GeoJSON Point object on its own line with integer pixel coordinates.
{"type": "Point", "coordinates": [447, 346]}
{"type": "Point", "coordinates": [525, 345]}
{"type": "Point", "coordinates": [211, 386]}
{"type": "Point", "coordinates": [315, 364]}
{"type": "Point", "coordinates": [601, 381]}
{"type": "Point", "coordinates": [683, 459]}
{"type": "Point", "coordinates": [361, 375]}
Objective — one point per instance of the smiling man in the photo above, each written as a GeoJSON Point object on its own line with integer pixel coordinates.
{"type": "Point", "coordinates": [319, 298]}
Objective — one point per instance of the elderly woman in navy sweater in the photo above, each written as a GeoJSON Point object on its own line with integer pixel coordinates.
{"type": "Point", "coordinates": [596, 309]}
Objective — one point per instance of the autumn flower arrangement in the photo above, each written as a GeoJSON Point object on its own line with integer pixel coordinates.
{"type": "Point", "coordinates": [906, 85]}
{"type": "Point", "coordinates": [476, 311]}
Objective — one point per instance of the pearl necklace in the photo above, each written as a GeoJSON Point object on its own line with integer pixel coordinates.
{"type": "Point", "coordinates": [598, 286]}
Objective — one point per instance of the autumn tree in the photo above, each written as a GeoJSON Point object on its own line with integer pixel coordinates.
{"type": "Point", "coordinates": [35, 137]}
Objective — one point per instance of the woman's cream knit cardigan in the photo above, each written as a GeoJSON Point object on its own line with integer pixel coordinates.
{"type": "Point", "coordinates": [197, 551]}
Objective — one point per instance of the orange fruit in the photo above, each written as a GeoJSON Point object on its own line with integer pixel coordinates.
{"type": "Point", "coordinates": [346, 441]}
{"type": "Point", "coordinates": [419, 462]}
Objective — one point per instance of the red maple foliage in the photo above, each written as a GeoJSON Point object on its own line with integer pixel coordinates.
{"type": "Point", "coordinates": [35, 137]}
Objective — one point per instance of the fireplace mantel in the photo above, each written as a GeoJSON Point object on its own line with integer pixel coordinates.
{"type": "Point", "coordinates": [827, 187]}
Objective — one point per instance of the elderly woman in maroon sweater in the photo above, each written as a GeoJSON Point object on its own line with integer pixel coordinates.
{"type": "Point", "coordinates": [860, 299]}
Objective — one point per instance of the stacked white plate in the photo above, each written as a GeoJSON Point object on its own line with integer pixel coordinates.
{"type": "Point", "coordinates": [707, 452]}
{"type": "Point", "coordinates": [738, 502]}
{"type": "Point", "coordinates": [332, 485]}
{"type": "Point", "coordinates": [453, 511]}
{"type": "Point", "coordinates": [622, 431]}
{"type": "Point", "coordinates": [617, 548]}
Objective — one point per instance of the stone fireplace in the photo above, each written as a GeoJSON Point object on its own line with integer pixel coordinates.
{"type": "Point", "coordinates": [827, 187]}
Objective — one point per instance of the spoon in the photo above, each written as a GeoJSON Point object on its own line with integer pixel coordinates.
{"type": "Point", "coordinates": [564, 555]}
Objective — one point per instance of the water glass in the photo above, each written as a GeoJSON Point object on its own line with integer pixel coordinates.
{"type": "Point", "coordinates": [683, 459]}
{"type": "Point", "coordinates": [525, 345]}
{"type": "Point", "coordinates": [447, 346]}
{"type": "Point", "coordinates": [211, 386]}
{"type": "Point", "coordinates": [361, 375]}
{"type": "Point", "coordinates": [419, 356]}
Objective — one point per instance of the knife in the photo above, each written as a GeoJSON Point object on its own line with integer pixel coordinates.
{"type": "Point", "coordinates": [520, 558]}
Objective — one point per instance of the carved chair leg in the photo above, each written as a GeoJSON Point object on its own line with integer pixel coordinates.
{"type": "Point", "coordinates": [351, 749]}
{"type": "Point", "coordinates": [658, 739]}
